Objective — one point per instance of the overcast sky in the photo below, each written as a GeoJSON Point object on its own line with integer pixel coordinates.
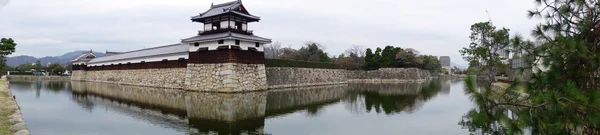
{"type": "Point", "coordinates": [435, 27]}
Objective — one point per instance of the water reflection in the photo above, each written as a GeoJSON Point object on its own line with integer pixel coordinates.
{"type": "Point", "coordinates": [390, 98]}
{"type": "Point", "coordinates": [219, 113]}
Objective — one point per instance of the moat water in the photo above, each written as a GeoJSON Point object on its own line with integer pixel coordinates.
{"type": "Point", "coordinates": [78, 108]}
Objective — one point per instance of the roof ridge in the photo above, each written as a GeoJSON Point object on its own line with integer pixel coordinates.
{"type": "Point", "coordinates": [146, 49]}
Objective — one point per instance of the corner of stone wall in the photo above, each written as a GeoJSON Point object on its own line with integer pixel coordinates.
{"type": "Point", "coordinates": [226, 77]}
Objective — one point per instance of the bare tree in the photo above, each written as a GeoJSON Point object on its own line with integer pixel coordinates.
{"type": "Point", "coordinates": [273, 50]}
{"type": "Point", "coordinates": [356, 49]}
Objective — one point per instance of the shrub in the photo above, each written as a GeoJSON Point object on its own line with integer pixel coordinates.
{"type": "Point", "coordinates": [21, 73]}
{"type": "Point", "coordinates": [301, 64]}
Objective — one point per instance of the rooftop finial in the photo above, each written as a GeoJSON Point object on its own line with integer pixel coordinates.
{"type": "Point", "coordinates": [211, 4]}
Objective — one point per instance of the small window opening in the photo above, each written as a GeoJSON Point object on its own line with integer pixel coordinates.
{"type": "Point", "coordinates": [257, 44]}
{"type": "Point", "coordinates": [221, 42]}
{"type": "Point", "coordinates": [237, 42]}
{"type": "Point", "coordinates": [196, 44]}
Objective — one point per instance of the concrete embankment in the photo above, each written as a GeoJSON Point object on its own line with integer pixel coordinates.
{"type": "Point", "coordinates": [11, 119]}
{"type": "Point", "coordinates": [38, 78]}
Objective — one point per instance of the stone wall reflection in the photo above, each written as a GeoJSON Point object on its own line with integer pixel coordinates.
{"type": "Point", "coordinates": [284, 101]}
{"type": "Point", "coordinates": [203, 113]}
{"type": "Point", "coordinates": [244, 113]}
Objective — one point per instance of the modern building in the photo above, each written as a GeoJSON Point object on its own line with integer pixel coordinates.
{"type": "Point", "coordinates": [445, 61]}
{"type": "Point", "coordinates": [224, 56]}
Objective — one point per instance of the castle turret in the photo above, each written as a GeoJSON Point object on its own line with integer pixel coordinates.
{"type": "Point", "coordinates": [226, 55]}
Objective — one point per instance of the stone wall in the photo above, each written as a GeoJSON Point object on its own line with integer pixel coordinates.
{"type": "Point", "coordinates": [78, 75]}
{"type": "Point", "coordinates": [389, 75]}
{"type": "Point", "coordinates": [226, 77]}
{"type": "Point", "coordinates": [235, 77]}
{"type": "Point", "coordinates": [165, 77]}
{"type": "Point", "coordinates": [284, 77]}
{"type": "Point", "coordinates": [38, 78]}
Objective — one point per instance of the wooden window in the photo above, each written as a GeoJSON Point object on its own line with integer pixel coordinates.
{"type": "Point", "coordinates": [221, 42]}
{"type": "Point", "coordinates": [196, 44]}
{"type": "Point", "coordinates": [237, 42]}
{"type": "Point", "coordinates": [257, 44]}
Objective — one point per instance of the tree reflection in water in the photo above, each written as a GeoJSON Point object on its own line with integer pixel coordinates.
{"type": "Point", "coordinates": [390, 98]}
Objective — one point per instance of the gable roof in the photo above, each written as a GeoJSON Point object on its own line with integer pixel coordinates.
{"type": "Point", "coordinates": [84, 57]}
{"type": "Point", "coordinates": [224, 8]}
{"type": "Point", "coordinates": [226, 35]}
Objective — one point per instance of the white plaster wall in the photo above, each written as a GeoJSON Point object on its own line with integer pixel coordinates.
{"type": "Point", "coordinates": [78, 63]}
{"type": "Point", "coordinates": [146, 59]}
{"type": "Point", "coordinates": [212, 45]}
{"type": "Point", "coordinates": [244, 26]}
{"type": "Point", "coordinates": [245, 44]}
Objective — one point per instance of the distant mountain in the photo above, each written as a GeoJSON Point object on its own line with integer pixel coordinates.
{"type": "Point", "coordinates": [457, 65]}
{"type": "Point", "coordinates": [63, 59]}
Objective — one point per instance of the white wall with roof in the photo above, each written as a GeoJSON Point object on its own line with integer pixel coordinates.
{"type": "Point", "coordinates": [155, 58]}
{"type": "Point", "coordinates": [213, 45]}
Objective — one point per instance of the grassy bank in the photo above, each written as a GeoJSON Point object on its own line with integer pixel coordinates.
{"type": "Point", "coordinates": [5, 108]}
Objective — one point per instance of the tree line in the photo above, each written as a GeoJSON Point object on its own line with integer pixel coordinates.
{"type": "Point", "coordinates": [356, 57]}
{"type": "Point", "coordinates": [53, 69]}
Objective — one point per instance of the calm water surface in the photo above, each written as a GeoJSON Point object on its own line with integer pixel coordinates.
{"type": "Point", "coordinates": [77, 108]}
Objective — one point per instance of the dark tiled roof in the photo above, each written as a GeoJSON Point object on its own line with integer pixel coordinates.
{"type": "Point", "coordinates": [222, 9]}
{"type": "Point", "coordinates": [112, 53]}
{"type": "Point", "coordinates": [83, 56]}
{"type": "Point", "coordinates": [161, 50]}
{"type": "Point", "coordinates": [226, 35]}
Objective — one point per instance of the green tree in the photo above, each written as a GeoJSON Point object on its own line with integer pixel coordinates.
{"type": "Point", "coordinates": [378, 59]}
{"type": "Point", "coordinates": [370, 61]}
{"type": "Point", "coordinates": [7, 47]}
{"type": "Point", "coordinates": [55, 69]}
{"type": "Point", "coordinates": [407, 59]}
{"type": "Point", "coordinates": [430, 63]}
{"type": "Point", "coordinates": [388, 56]}
{"type": "Point", "coordinates": [487, 43]}
{"type": "Point", "coordinates": [565, 99]}
{"type": "Point", "coordinates": [313, 52]}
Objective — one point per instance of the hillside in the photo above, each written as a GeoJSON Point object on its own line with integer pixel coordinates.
{"type": "Point", "coordinates": [62, 59]}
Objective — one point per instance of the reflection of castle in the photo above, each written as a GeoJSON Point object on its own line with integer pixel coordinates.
{"type": "Point", "coordinates": [243, 113]}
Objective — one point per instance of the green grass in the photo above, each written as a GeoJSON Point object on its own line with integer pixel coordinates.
{"type": "Point", "coordinates": [4, 111]}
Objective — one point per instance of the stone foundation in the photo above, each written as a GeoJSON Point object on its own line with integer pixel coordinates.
{"type": "Point", "coordinates": [226, 77]}
{"type": "Point", "coordinates": [285, 77]}
{"type": "Point", "coordinates": [389, 75]}
{"type": "Point", "coordinates": [166, 77]}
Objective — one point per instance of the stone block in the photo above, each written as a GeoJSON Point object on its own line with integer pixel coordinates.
{"type": "Point", "coordinates": [18, 126]}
